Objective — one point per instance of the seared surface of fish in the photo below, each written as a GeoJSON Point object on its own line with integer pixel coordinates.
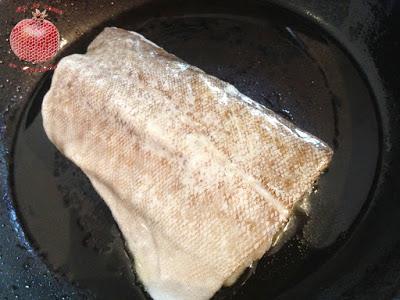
{"type": "Point", "coordinates": [200, 178]}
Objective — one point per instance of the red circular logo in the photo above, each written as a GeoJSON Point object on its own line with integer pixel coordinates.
{"type": "Point", "coordinates": [35, 40]}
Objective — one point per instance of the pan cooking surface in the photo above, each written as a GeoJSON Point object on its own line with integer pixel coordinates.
{"type": "Point", "coordinates": [274, 59]}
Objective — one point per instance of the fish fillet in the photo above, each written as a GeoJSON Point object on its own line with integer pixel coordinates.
{"type": "Point", "coordinates": [200, 178]}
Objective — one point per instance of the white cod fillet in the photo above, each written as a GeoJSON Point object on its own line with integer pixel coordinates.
{"type": "Point", "coordinates": [200, 179]}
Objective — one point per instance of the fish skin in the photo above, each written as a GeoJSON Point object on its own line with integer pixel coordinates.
{"type": "Point", "coordinates": [199, 178]}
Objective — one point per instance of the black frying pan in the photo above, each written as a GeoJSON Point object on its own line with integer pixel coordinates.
{"type": "Point", "coordinates": [328, 66]}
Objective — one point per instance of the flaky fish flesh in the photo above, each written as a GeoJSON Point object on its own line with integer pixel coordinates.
{"type": "Point", "coordinates": [199, 178]}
